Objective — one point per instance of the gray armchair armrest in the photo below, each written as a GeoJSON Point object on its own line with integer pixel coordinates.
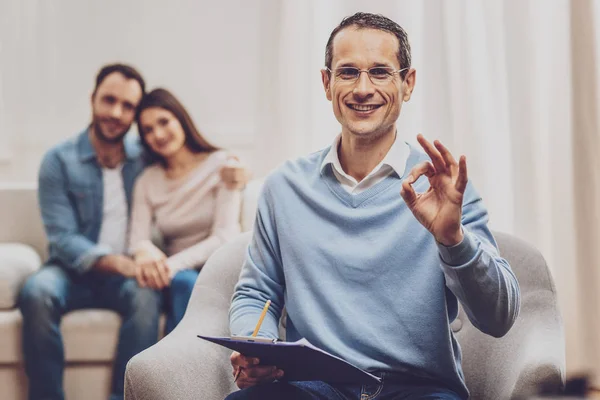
{"type": "Point", "coordinates": [515, 366]}
{"type": "Point", "coordinates": [542, 373]}
{"type": "Point", "coordinates": [536, 366]}
{"type": "Point", "coordinates": [532, 353]}
{"type": "Point", "coordinates": [17, 262]}
{"type": "Point", "coordinates": [183, 366]}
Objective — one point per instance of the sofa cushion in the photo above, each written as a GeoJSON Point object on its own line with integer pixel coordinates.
{"type": "Point", "coordinates": [17, 262]}
{"type": "Point", "coordinates": [20, 216]}
{"type": "Point", "coordinates": [89, 335]}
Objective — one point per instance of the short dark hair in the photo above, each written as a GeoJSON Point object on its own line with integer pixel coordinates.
{"type": "Point", "coordinates": [362, 20]}
{"type": "Point", "coordinates": [127, 71]}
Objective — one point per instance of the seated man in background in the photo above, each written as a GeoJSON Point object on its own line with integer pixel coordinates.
{"type": "Point", "coordinates": [85, 194]}
{"type": "Point", "coordinates": [371, 243]}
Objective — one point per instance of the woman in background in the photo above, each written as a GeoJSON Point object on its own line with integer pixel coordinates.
{"type": "Point", "coordinates": [183, 195]}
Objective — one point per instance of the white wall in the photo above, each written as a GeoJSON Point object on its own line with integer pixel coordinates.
{"type": "Point", "coordinates": [207, 53]}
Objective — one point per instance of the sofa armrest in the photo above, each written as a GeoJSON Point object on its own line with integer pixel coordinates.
{"type": "Point", "coordinates": [181, 365]}
{"type": "Point", "coordinates": [17, 262]}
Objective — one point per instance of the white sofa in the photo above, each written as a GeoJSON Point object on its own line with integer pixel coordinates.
{"type": "Point", "coordinates": [90, 336]}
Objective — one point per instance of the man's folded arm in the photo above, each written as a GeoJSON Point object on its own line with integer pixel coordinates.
{"type": "Point", "coordinates": [74, 250]}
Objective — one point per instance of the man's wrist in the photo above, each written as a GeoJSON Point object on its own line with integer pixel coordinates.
{"type": "Point", "coordinates": [105, 263]}
{"type": "Point", "coordinates": [461, 253]}
{"type": "Point", "coordinates": [452, 240]}
{"type": "Point", "coordinates": [126, 266]}
{"type": "Point", "coordinates": [88, 260]}
{"type": "Point", "coordinates": [116, 264]}
{"type": "Point", "coordinates": [102, 261]}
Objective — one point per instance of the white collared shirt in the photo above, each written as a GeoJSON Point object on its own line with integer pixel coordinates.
{"type": "Point", "coordinates": [394, 160]}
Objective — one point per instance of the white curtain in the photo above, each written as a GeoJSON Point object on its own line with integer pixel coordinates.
{"type": "Point", "coordinates": [511, 84]}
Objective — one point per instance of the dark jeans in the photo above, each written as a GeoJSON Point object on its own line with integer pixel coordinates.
{"type": "Point", "coordinates": [389, 389]}
{"type": "Point", "coordinates": [52, 292]}
{"type": "Point", "coordinates": [177, 297]}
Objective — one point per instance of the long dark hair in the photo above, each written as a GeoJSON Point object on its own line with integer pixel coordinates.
{"type": "Point", "coordinates": [162, 98]}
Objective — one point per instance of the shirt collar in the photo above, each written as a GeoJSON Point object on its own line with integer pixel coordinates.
{"type": "Point", "coordinates": [396, 157]}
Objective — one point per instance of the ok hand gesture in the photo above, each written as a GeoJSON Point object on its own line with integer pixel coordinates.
{"type": "Point", "coordinates": [439, 209]}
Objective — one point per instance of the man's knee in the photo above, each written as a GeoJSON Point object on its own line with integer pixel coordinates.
{"type": "Point", "coordinates": [270, 391]}
{"type": "Point", "coordinates": [138, 300]}
{"type": "Point", "coordinates": [246, 394]}
{"type": "Point", "coordinates": [234, 396]}
{"type": "Point", "coordinates": [43, 293]}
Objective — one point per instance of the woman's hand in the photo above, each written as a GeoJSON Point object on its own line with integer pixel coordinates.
{"type": "Point", "coordinates": [152, 270]}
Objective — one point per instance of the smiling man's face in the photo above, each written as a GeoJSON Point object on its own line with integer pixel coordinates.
{"type": "Point", "coordinates": [113, 107]}
{"type": "Point", "coordinates": [364, 109]}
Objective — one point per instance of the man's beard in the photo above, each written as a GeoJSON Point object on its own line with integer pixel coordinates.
{"type": "Point", "coordinates": [103, 137]}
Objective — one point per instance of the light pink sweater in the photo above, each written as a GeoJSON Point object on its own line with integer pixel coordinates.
{"type": "Point", "coordinates": [195, 214]}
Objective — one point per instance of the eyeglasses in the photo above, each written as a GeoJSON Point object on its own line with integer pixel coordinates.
{"type": "Point", "coordinates": [377, 75]}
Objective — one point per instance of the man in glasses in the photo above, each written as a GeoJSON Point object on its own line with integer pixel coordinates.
{"type": "Point", "coordinates": [372, 242]}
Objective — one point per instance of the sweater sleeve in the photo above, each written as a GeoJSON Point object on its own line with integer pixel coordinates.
{"type": "Point", "coordinates": [261, 277]}
{"type": "Point", "coordinates": [478, 276]}
{"type": "Point", "coordinates": [226, 225]}
{"type": "Point", "coordinates": [141, 217]}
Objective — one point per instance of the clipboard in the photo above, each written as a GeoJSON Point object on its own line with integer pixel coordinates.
{"type": "Point", "coordinates": [300, 360]}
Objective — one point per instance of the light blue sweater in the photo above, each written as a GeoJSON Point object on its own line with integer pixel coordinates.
{"type": "Point", "coordinates": [362, 279]}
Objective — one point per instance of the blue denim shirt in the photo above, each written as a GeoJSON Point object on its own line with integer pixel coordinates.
{"type": "Point", "coordinates": [70, 194]}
